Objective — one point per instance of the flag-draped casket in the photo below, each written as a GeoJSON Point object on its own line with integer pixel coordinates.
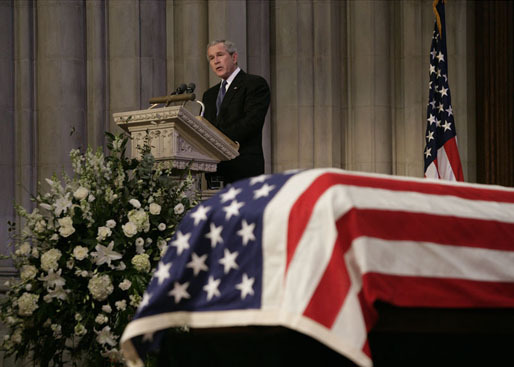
{"type": "Point", "coordinates": [313, 250]}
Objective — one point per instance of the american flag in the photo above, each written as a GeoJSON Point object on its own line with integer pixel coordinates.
{"type": "Point", "coordinates": [313, 250]}
{"type": "Point", "coordinates": [442, 159]}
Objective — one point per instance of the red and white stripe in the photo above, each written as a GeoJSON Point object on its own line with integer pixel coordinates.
{"type": "Point", "coordinates": [335, 242]}
{"type": "Point", "coordinates": [447, 165]}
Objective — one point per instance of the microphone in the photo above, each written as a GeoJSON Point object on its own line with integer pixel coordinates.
{"type": "Point", "coordinates": [191, 87]}
{"type": "Point", "coordinates": [180, 89]}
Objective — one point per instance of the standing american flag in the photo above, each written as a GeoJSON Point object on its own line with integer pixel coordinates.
{"type": "Point", "coordinates": [442, 159]}
{"type": "Point", "coordinates": [313, 250]}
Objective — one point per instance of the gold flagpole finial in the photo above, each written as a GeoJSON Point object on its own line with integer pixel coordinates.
{"type": "Point", "coordinates": [437, 17]}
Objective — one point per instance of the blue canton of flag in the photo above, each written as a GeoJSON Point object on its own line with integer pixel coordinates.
{"type": "Point", "coordinates": [441, 154]}
{"type": "Point", "coordinates": [214, 260]}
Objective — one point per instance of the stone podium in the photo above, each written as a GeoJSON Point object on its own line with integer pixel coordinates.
{"type": "Point", "coordinates": [178, 137]}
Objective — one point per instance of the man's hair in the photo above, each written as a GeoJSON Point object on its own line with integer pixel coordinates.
{"type": "Point", "coordinates": [229, 45]}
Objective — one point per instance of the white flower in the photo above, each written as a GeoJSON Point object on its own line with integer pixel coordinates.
{"type": "Point", "coordinates": [28, 272]}
{"type": "Point", "coordinates": [49, 259]}
{"type": "Point", "coordinates": [135, 203]}
{"type": "Point", "coordinates": [57, 329]}
{"type": "Point", "coordinates": [78, 317]}
{"type": "Point", "coordinates": [66, 226]}
{"type": "Point", "coordinates": [113, 355]}
{"type": "Point", "coordinates": [130, 229]}
{"type": "Point", "coordinates": [80, 253]}
{"type": "Point", "coordinates": [27, 304]}
{"type": "Point", "coordinates": [35, 252]}
{"type": "Point", "coordinates": [155, 209]}
{"type": "Point", "coordinates": [16, 336]}
{"type": "Point", "coordinates": [101, 319]}
{"type": "Point", "coordinates": [106, 308]}
{"type": "Point", "coordinates": [25, 248]}
{"type": "Point", "coordinates": [161, 226]}
{"type": "Point", "coordinates": [91, 198]}
{"type": "Point", "coordinates": [103, 233]}
{"type": "Point", "coordinates": [140, 241]}
{"type": "Point", "coordinates": [104, 255]}
{"type": "Point", "coordinates": [140, 219]}
{"type": "Point", "coordinates": [179, 209]}
{"type": "Point", "coordinates": [58, 293]}
{"type": "Point", "coordinates": [81, 193]}
{"type": "Point", "coordinates": [53, 279]}
{"type": "Point", "coordinates": [62, 204]}
{"type": "Point", "coordinates": [125, 284]}
{"type": "Point", "coordinates": [80, 329]}
{"type": "Point", "coordinates": [70, 263]}
{"type": "Point", "coordinates": [100, 287]}
{"type": "Point", "coordinates": [111, 223]}
{"type": "Point", "coordinates": [28, 287]}
{"type": "Point", "coordinates": [141, 262]}
{"type": "Point", "coordinates": [121, 305]}
{"type": "Point", "coordinates": [40, 226]}
{"type": "Point", "coordinates": [45, 206]}
{"type": "Point", "coordinates": [105, 336]}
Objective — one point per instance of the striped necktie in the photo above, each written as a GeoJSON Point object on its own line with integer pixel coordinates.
{"type": "Point", "coordinates": [221, 94]}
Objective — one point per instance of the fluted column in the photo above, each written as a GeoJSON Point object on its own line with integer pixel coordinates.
{"type": "Point", "coordinates": [258, 20]}
{"type": "Point", "coordinates": [96, 46]}
{"type": "Point", "coordinates": [412, 45]}
{"type": "Point", "coordinates": [60, 84]}
{"type": "Point", "coordinates": [368, 137]}
{"type": "Point", "coordinates": [187, 43]}
{"type": "Point", "coordinates": [7, 183]}
{"type": "Point", "coordinates": [124, 61]}
{"type": "Point", "coordinates": [306, 84]}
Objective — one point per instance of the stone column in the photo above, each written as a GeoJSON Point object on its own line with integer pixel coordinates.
{"type": "Point", "coordinates": [186, 42]}
{"type": "Point", "coordinates": [412, 43]}
{"type": "Point", "coordinates": [96, 46]}
{"type": "Point", "coordinates": [306, 71]}
{"type": "Point", "coordinates": [60, 84]}
{"type": "Point", "coordinates": [7, 158]}
{"type": "Point", "coordinates": [153, 50]}
{"type": "Point", "coordinates": [368, 138]}
{"type": "Point", "coordinates": [124, 58]}
{"type": "Point", "coordinates": [258, 20]}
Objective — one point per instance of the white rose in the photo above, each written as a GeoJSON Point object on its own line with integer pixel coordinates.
{"type": "Point", "coordinates": [27, 304]}
{"type": "Point", "coordinates": [40, 226]}
{"type": "Point", "coordinates": [101, 319]}
{"type": "Point", "coordinates": [140, 219]}
{"type": "Point", "coordinates": [121, 305]}
{"type": "Point", "coordinates": [179, 209]}
{"type": "Point", "coordinates": [161, 226]}
{"type": "Point", "coordinates": [135, 203]}
{"type": "Point", "coordinates": [81, 193]}
{"type": "Point", "coordinates": [111, 223]}
{"type": "Point", "coordinates": [80, 253]}
{"type": "Point", "coordinates": [140, 241]}
{"type": "Point", "coordinates": [141, 262]}
{"type": "Point", "coordinates": [91, 198]}
{"type": "Point", "coordinates": [155, 209]}
{"type": "Point", "coordinates": [130, 229]}
{"type": "Point", "coordinates": [49, 260]}
{"type": "Point", "coordinates": [25, 248]}
{"type": "Point", "coordinates": [28, 272]}
{"type": "Point", "coordinates": [125, 284]}
{"type": "Point", "coordinates": [66, 226]}
{"type": "Point", "coordinates": [103, 233]}
{"type": "Point", "coordinates": [100, 287]}
{"type": "Point", "coordinates": [107, 308]}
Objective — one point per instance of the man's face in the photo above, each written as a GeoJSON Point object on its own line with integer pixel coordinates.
{"type": "Point", "coordinates": [222, 63]}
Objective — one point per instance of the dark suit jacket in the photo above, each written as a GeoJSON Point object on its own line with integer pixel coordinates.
{"type": "Point", "coordinates": [241, 118]}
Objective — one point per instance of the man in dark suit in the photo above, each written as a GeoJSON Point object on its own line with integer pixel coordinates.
{"type": "Point", "coordinates": [238, 110]}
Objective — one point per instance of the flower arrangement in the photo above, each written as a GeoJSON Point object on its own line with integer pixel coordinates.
{"type": "Point", "coordinates": [86, 254]}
